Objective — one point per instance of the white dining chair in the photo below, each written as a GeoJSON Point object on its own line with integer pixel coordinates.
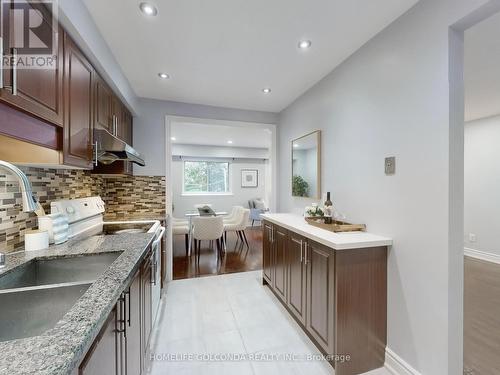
{"type": "Point", "coordinates": [178, 229]}
{"type": "Point", "coordinates": [239, 225]}
{"type": "Point", "coordinates": [233, 215]}
{"type": "Point", "coordinates": [208, 228]}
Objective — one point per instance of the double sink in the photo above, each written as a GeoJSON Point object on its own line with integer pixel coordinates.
{"type": "Point", "coordinates": [36, 295]}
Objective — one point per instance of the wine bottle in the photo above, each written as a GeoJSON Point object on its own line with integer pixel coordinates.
{"type": "Point", "coordinates": [328, 208]}
{"type": "Point", "coordinates": [328, 202]}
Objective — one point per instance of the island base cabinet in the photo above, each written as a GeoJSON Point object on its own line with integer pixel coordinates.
{"type": "Point", "coordinates": [338, 297]}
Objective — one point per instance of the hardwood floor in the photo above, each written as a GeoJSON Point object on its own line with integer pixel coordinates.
{"type": "Point", "coordinates": [481, 317]}
{"type": "Point", "coordinates": [238, 257]}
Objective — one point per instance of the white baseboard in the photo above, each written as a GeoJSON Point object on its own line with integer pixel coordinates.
{"type": "Point", "coordinates": [483, 255]}
{"type": "Point", "coordinates": [397, 365]}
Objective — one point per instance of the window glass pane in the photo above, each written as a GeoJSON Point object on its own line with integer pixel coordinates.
{"type": "Point", "coordinates": [206, 177]}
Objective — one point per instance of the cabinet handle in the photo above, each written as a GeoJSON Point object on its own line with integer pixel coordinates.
{"type": "Point", "coordinates": [305, 256]}
{"type": "Point", "coordinates": [301, 251]}
{"type": "Point", "coordinates": [124, 315]}
{"type": "Point", "coordinates": [14, 71]}
{"type": "Point", "coordinates": [95, 153]}
{"type": "Point", "coordinates": [1, 59]}
{"type": "Point", "coordinates": [129, 304]}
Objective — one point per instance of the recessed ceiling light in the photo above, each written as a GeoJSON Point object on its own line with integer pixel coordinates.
{"type": "Point", "coordinates": [173, 138]}
{"type": "Point", "coordinates": [266, 90]}
{"type": "Point", "coordinates": [163, 75]}
{"type": "Point", "coordinates": [295, 145]}
{"type": "Point", "coordinates": [305, 44]}
{"type": "Point", "coordinates": [230, 142]}
{"type": "Point", "coordinates": [148, 9]}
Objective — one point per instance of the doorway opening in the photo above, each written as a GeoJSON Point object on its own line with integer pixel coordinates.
{"type": "Point", "coordinates": [219, 173]}
{"type": "Point", "coordinates": [481, 197]}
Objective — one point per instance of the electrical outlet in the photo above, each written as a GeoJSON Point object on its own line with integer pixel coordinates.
{"type": "Point", "coordinates": [472, 237]}
{"type": "Point", "coordinates": [390, 165]}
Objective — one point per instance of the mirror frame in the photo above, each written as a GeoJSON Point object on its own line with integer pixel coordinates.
{"type": "Point", "coordinates": [317, 193]}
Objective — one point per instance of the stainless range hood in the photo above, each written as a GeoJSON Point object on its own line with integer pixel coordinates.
{"type": "Point", "coordinates": [110, 148]}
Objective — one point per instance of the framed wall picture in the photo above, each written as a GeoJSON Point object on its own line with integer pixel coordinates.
{"type": "Point", "coordinates": [249, 178]}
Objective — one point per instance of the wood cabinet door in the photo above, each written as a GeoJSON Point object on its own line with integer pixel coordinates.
{"type": "Point", "coordinates": [102, 356]}
{"type": "Point", "coordinates": [267, 252]}
{"type": "Point", "coordinates": [134, 327]}
{"type": "Point", "coordinates": [280, 265]}
{"type": "Point", "coordinates": [320, 262]}
{"type": "Point", "coordinates": [296, 276]}
{"type": "Point", "coordinates": [102, 104]}
{"type": "Point", "coordinates": [146, 282]}
{"type": "Point", "coordinates": [39, 90]}
{"type": "Point", "coordinates": [78, 116]}
{"type": "Point", "coordinates": [117, 128]}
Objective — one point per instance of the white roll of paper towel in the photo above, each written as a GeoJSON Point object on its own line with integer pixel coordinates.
{"type": "Point", "coordinates": [36, 240]}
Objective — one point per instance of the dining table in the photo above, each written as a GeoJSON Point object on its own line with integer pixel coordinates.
{"type": "Point", "coordinates": [190, 215]}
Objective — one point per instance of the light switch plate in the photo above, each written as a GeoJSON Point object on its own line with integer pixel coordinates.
{"type": "Point", "coordinates": [390, 165]}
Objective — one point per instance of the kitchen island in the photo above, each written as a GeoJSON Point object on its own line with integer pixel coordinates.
{"type": "Point", "coordinates": [334, 285]}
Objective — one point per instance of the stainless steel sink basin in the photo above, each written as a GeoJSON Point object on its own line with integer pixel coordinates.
{"type": "Point", "coordinates": [27, 312]}
{"type": "Point", "coordinates": [58, 270]}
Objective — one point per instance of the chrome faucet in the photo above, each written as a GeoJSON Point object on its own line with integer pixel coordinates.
{"type": "Point", "coordinates": [29, 202]}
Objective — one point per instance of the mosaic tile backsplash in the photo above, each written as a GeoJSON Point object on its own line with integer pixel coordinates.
{"type": "Point", "coordinates": [125, 197]}
{"type": "Point", "coordinates": [134, 197]}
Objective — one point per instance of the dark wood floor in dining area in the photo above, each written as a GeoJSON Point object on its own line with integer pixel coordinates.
{"type": "Point", "coordinates": [238, 257]}
{"type": "Point", "coordinates": [481, 317]}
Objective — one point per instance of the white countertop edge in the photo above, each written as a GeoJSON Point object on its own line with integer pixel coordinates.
{"type": "Point", "coordinates": [337, 241]}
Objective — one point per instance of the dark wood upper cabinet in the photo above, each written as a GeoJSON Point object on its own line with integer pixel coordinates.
{"type": "Point", "coordinates": [267, 252]}
{"type": "Point", "coordinates": [280, 266]}
{"type": "Point", "coordinates": [103, 98]}
{"type": "Point", "coordinates": [35, 91]}
{"type": "Point", "coordinates": [78, 114]}
{"type": "Point", "coordinates": [296, 276]}
{"type": "Point", "coordinates": [103, 354]}
{"type": "Point", "coordinates": [320, 261]}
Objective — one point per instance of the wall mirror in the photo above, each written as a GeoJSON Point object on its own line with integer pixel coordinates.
{"type": "Point", "coordinates": [306, 166]}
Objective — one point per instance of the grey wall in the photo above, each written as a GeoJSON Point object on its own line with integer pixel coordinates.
{"type": "Point", "coordinates": [149, 127]}
{"type": "Point", "coordinates": [482, 185]}
{"type": "Point", "coordinates": [392, 98]}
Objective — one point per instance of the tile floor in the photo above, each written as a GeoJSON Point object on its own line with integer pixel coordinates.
{"type": "Point", "coordinates": [233, 314]}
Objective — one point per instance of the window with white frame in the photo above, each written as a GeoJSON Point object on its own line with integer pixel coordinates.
{"type": "Point", "coordinates": [206, 177]}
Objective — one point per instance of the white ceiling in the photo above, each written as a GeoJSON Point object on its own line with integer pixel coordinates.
{"type": "Point", "coordinates": [223, 52]}
{"type": "Point", "coordinates": [482, 69]}
{"type": "Point", "coordinates": [218, 135]}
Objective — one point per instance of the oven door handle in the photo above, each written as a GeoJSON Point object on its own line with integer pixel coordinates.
{"type": "Point", "coordinates": [158, 238]}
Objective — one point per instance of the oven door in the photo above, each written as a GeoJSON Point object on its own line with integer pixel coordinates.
{"type": "Point", "coordinates": [156, 290]}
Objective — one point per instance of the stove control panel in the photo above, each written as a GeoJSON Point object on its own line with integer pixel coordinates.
{"type": "Point", "coordinates": [79, 209]}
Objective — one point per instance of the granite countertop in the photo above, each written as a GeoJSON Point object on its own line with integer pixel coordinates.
{"type": "Point", "coordinates": [60, 349]}
{"type": "Point", "coordinates": [337, 241]}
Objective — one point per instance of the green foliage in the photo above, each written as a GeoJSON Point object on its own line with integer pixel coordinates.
{"type": "Point", "coordinates": [206, 177]}
{"type": "Point", "coordinates": [300, 187]}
